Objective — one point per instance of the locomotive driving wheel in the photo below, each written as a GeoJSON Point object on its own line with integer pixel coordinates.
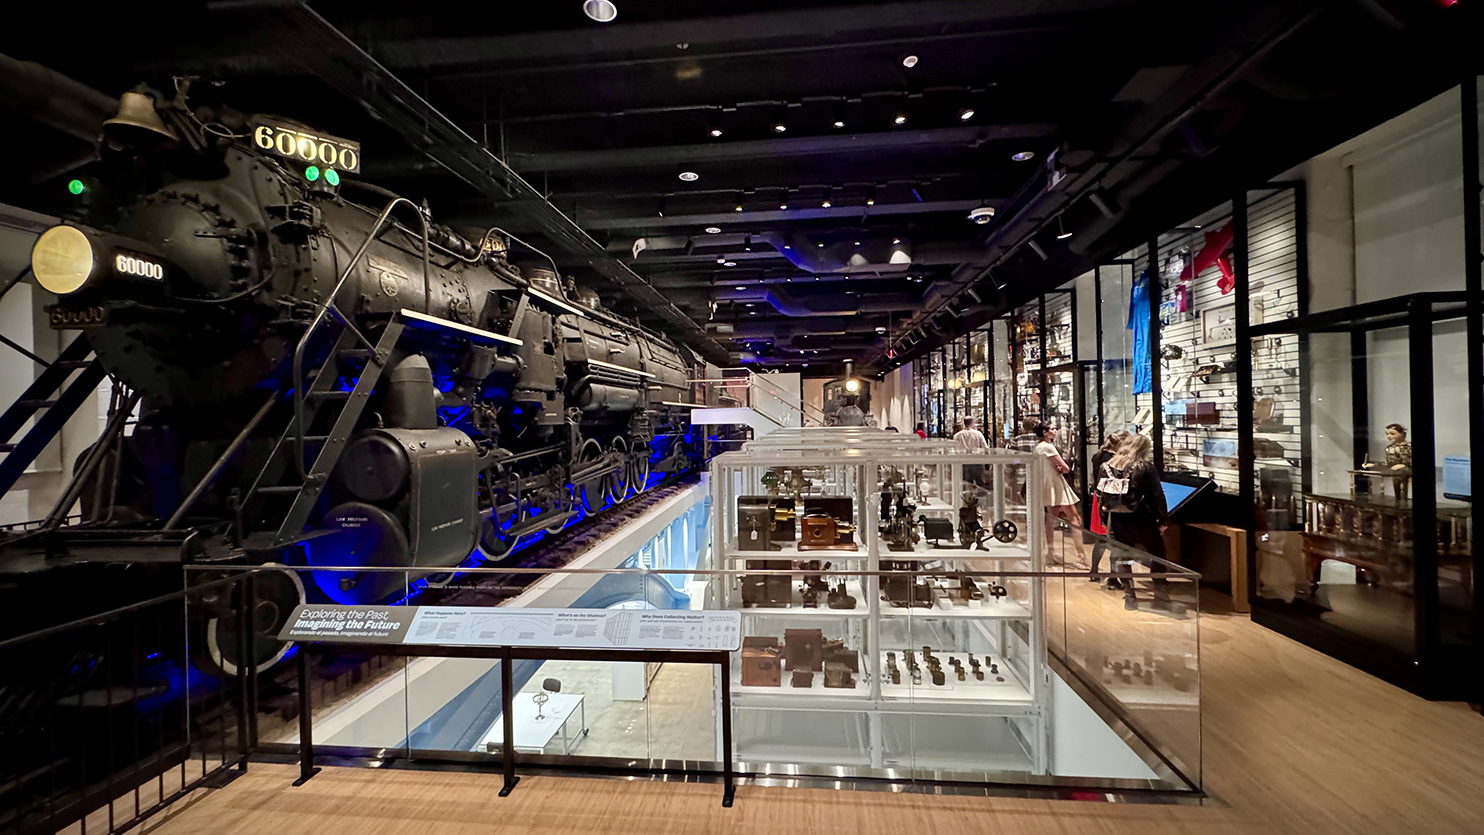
{"type": "Point", "coordinates": [589, 494]}
{"type": "Point", "coordinates": [495, 540]}
{"type": "Point", "coordinates": [619, 481]}
{"type": "Point", "coordinates": [275, 594]}
{"type": "Point", "coordinates": [639, 470]}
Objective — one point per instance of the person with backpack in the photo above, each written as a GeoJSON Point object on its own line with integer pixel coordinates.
{"type": "Point", "coordinates": [1131, 494]}
{"type": "Point", "coordinates": [1099, 520]}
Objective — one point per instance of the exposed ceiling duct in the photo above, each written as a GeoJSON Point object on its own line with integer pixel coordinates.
{"type": "Point", "coordinates": [789, 304]}
{"type": "Point", "coordinates": [838, 253]}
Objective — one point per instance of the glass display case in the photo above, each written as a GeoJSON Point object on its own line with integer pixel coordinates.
{"type": "Point", "coordinates": [892, 616]}
{"type": "Point", "coordinates": [1002, 380]}
{"type": "Point", "coordinates": [1364, 549]}
{"type": "Point", "coordinates": [935, 415]}
{"type": "Point", "coordinates": [979, 380]}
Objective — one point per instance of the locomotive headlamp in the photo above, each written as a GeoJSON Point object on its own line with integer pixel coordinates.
{"type": "Point", "coordinates": [852, 385]}
{"type": "Point", "coordinates": [62, 259]}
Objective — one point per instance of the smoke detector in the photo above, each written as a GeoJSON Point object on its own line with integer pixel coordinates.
{"type": "Point", "coordinates": [982, 215]}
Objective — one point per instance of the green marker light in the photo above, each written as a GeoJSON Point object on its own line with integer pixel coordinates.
{"type": "Point", "coordinates": [332, 176]}
{"type": "Point", "coordinates": [311, 173]}
{"type": "Point", "coordinates": [76, 187]}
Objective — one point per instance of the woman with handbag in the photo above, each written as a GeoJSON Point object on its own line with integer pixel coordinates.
{"type": "Point", "coordinates": [1099, 521]}
{"type": "Point", "coordinates": [1135, 503]}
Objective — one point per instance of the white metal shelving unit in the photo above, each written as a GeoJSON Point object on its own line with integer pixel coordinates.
{"type": "Point", "coordinates": [878, 727]}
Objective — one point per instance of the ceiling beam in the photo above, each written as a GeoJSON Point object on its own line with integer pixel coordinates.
{"type": "Point", "coordinates": [896, 142]}
{"type": "Point", "coordinates": [653, 224]}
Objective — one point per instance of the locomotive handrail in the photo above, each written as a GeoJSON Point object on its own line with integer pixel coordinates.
{"type": "Point", "coordinates": [329, 304]}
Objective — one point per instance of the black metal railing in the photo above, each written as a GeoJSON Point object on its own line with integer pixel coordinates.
{"type": "Point", "coordinates": [106, 720]}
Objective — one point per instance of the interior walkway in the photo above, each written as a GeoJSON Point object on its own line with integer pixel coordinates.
{"type": "Point", "coordinates": [1295, 743]}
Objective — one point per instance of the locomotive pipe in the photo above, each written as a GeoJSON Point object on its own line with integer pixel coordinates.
{"type": "Point", "coordinates": [221, 462]}
{"type": "Point", "coordinates": [55, 100]}
{"type": "Point", "coordinates": [90, 464]}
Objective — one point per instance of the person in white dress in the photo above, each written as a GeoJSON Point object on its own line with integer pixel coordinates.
{"type": "Point", "coordinates": [1057, 497]}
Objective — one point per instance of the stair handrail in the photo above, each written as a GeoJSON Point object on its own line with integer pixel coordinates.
{"type": "Point", "coordinates": [752, 380]}
{"type": "Point", "coordinates": [329, 306]}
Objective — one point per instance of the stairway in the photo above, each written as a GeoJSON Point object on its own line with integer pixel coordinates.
{"type": "Point", "coordinates": [64, 386]}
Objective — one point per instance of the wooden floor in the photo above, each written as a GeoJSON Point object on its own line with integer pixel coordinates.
{"type": "Point", "coordinates": [1294, 742]}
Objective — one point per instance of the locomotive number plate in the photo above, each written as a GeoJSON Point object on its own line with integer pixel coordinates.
{"type": "Point", "coordinates": [67, 318]}
{"type": "Point", "coordinates": [312, 148]}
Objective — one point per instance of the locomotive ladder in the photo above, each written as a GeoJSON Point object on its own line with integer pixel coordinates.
{"type": "Point", "coordinates": [319, 453]}
{"type": "Point", "coordinates": [314, 475]}
{"type": "Point", "coordinates": [51, 400]}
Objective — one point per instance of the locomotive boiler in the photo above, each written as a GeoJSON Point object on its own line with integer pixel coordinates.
{"type": "Point", "coordinates": [323, 376]}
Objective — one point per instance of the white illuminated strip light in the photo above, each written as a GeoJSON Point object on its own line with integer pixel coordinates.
{"type": "Point", "coordinates": [678, 403]}
{"type": "Point", "coordinates": [416, 319]}
{"type": "Point", "coordinates": [133, 265]}
{"type": "Point", "coordinates": [619, 369]}
{"type": "Point", "coordinates": [556, 302]}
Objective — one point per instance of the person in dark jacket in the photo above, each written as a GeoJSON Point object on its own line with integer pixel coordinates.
{"type": "Point", "coordinates": [1138, 518]}
{"type": "Point", "coordinates": [1099, 520]}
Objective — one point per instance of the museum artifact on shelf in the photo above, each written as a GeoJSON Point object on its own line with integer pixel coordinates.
{"type": "Point", "coordinates": [761, 665]}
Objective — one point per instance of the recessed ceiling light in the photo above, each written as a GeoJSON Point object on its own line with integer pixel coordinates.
{"type": "Point", "coordinates": [857, 243]}
{"type": "Point", "coordinates": [689, 176]}
{"type": "Point", "coordinates": [1024, 156]}
{"type": "Point", "coordinates": [779, 127]}
{"type": "Point", "coordinates": [909, 62]}
{"type": "Point", "coordinates": [963, 115]}
{"type": "Point", "coordinates": [752, 313]}
{"type": "Point", "coordinates": [896, 241]}
{"type": "Point", "coordinates": [712, 230]}
{"type": "Point", "coordinates": [603, 11]}
{"type": "Point", "coordinates": [820, 244]}
{"type": "Point", "coordinates": [786, 246]}
{"type": "Point", "coordinates": [899, 119]}
{"type": "Point", "coordinates": [839, 123]}
{"type": "Point", "coordinates": [721, 259]}
{"type": "Point", "coordinates": [716, 131]}
{"type": "Point", "coordinates": [730, 264]}
{"type": "Point", "coordinates": [825, 203]}
{"type": "Point", "coordinates": [737, 208]}
{"type": "Point", "coordinates": [741, 288]}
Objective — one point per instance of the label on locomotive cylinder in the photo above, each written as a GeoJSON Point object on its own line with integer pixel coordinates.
{"type": "Point", "coordinates": [389, 275]}
{"type": "Point", "coordinates": [296, 143]}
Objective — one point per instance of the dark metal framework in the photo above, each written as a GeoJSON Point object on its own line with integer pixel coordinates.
{"type": "Point", "coordinates": [507, 655]}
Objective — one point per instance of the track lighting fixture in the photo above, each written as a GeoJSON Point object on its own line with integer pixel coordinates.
{"type": "Point", "coordinates": [1104, 203]}
{"type": "Point", "coordinates": [899, 119]}
{"type": "Point", "coordinates": [1062, 234]}
{"type": "Point", "coordinates": [721, 259]}
{"type": "Point", "coordinates": [974, 294]}
{"type": "Point", "coordinates": [871, 196]}
{"type": "Point", "coordinates": [783, 201]}
{"type": "Point", "coordinates": [839, 123]}
{"type": "Point", "coordinates": [715, 132]}
{"type": "Point", "coordinates": [779, 127]}
{"type": "Point", "coordinates": [660, 210]}
{"type": "Point", "coordinates": [747, 243]}
{"type": "Point", "coordinates": [825, 203]}
{"type": "Point", "coordinates": [966, 114]}
{"type": "Point", "coordinates": [1036, 248]}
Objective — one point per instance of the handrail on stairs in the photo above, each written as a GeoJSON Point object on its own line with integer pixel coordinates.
{"type": "Point", "coordinates": [754, 381]}
{"type": "Point", "coordinates": [329, 306]}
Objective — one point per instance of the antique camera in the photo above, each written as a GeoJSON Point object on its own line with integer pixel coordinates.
{"type": "Point", "coordinates": [836, 674]}
{"type": "Point", "coordinates": [803, 649]}
{"type": "Point", "coordinates": [971, 532]}
{"type": "Point", "coordinates": [826, 525]}
{"type": "Point", "coordinates": [936, 531]}
{"type": "Point", "coordinates": [839, 664]}
{"type": "Point", "coordinates": [764, 523]}
{"type": "Point", "coordinates": [905, 590]}
{"type": "Point", "coordinates": [761, 665]}
{"type": "Point", "coordinates": [768, 590]}
{"type": "Point", "coordinates": [803, 678]}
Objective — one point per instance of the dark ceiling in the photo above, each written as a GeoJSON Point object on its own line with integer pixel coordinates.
{"type": "Point", "coordinates": [1157, 109]}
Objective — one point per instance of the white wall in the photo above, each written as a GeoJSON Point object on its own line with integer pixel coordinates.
{"type": "Point", "coordinates": [1386, 220]}
{"type": "Point", "coordinates": [891, 399]}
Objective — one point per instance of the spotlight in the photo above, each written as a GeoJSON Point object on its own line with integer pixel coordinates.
{"type": "Point", "coordinates": [713, 230]}
{"type": "Point", "coordinates": [825, 203]}
{"type": "Point", "coordinates": [909, 62]}
{"type": "Point", "coordinates": [747, 243]}
{"type": "Point", "coordinates": [660, 209]}
{"type": "Point", "coordinates": [1104, 203]}
{"type": "Point", "coordinates": [839, 123]}
{"type": "Point", "coordinates": [966, 114]}
{"type": "Point", "coordinates": [982, 215]}
{"type": "Point", "coordinates": [871, 196]}
{"type": "Point", "coordinates": [689, 176]}
{"type": "Point", "coordinates": [729, 263]}
{"type": "Point", "coordinates": [1036, 248]}
{"type": "Point", "coordinates": [716, 132]}
{"type": "Point", "coordinates": [1024, 156]}
{"type": "Point", "coordinates": [896, 241]}
{"type": "Point", "coordinates": [857, 243]}
{"type": "Point", "coordinates": [741, 288]}
{"type": "Point", "coordinates": [783, 201]}
{"type": "Point", "coordinates": [820, 244]}
{"type": "Point", "coordinates": [880, 330]}
{"type": "Point", "coordinates": [721, 259]}
{"type": "Point", "coordinates": [737, 208]}
{"type": "Point", "coordinates": [779, 127]}
{"type": "Point", "coordinates": [603, 11]}
{"type": "Point", "coordinates": [1063, 234]}
{"type": "Point", "coordinates": [899, 119]}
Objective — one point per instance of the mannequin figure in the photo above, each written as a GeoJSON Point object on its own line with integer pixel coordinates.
{"type": "Point", "coordinates": [1399, 458]}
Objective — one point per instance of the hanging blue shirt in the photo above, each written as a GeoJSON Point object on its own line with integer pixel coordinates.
{"type": "Point", "coordinates": [1138, 322]}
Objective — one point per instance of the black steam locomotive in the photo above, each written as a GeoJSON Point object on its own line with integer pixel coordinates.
{"type": "Point", "coordinates": [323, 376]}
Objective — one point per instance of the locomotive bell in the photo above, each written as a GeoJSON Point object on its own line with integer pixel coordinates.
{"type": "Point", "coordinates": [136, 112]}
